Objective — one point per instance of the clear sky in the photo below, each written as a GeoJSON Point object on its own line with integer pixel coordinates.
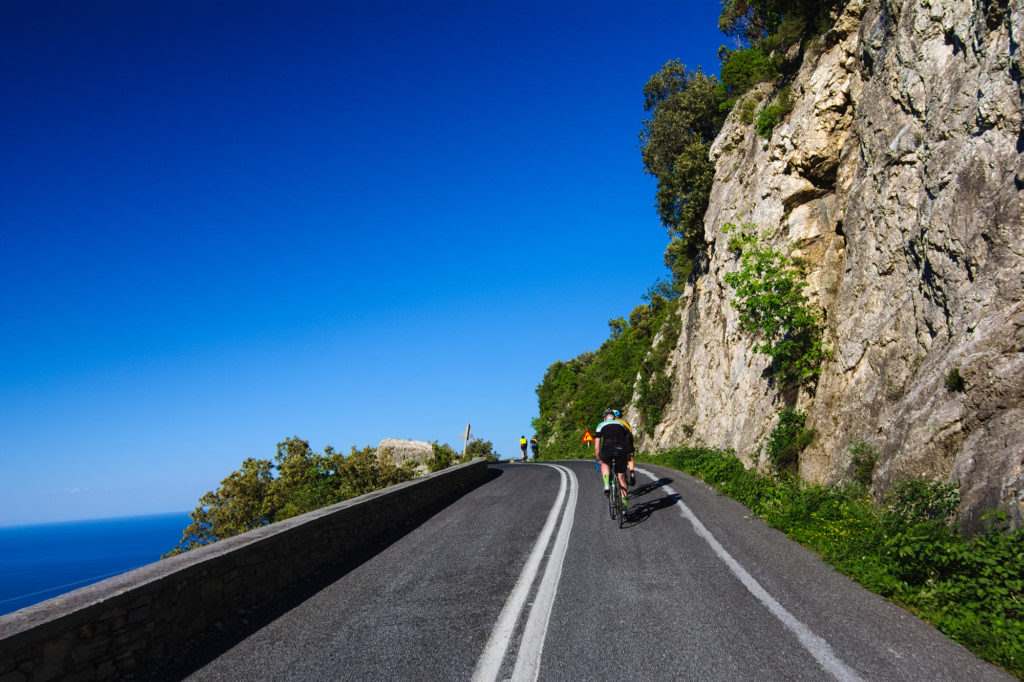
{"type": "Point", "coordinates": [222, 224]}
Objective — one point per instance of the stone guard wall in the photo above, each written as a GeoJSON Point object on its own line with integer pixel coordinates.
{"type": "Point", "coordinates": [129, 625]}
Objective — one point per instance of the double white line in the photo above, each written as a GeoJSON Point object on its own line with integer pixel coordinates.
{"type": "Point", "coordinates": [531, 644]}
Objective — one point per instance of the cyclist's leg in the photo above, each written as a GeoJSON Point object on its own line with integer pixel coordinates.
{"type": "Point", "coordinates": [605, 476]}
{"type": "Point", "coordinates": [632, 468]}
{"type": "Point", "coordinates": [621, 468]}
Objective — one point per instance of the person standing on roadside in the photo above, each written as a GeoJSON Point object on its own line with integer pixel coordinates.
{"type": "Point", "coordinates": [522, 445]}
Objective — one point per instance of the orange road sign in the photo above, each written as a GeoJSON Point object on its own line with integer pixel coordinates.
{"type": "Point", "coordinates": [588, 437]}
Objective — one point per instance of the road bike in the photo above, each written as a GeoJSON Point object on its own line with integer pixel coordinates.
{"type": "Point", "coordinates": [616, 509]}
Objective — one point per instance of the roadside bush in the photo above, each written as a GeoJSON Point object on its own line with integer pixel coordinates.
{"type": "Point", "coordinates": [863, 459]}
{"type": "Point", "coordinates": [444, 455]}
{"type": "Point", "coordinates": [914, 501]}
{"type": "Point", "coordinates": [788, 439]}
{"type": "Point", "coordinates": [296, 481]}
{"type": "Point", "coordinates": [972, 589]}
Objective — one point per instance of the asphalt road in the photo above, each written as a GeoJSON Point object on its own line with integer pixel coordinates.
{"type": "Point", "coordinates": [527, 578]}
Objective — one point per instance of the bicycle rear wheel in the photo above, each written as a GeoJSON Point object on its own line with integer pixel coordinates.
{"type": "Point", "coordinates": [611, 503]}
{"type": "Point", "coordinates": [622, 509]}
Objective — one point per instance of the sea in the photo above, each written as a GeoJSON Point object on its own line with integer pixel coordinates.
{"type": "Point", "coordinates": [39, 562]}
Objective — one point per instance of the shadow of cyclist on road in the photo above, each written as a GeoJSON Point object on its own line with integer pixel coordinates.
{"type": "Point", "coordinates": [641, 512]}
{"type": "Point", "coordinates": [642, 490]}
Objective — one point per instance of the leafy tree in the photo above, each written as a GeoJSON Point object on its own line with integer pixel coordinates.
{"type": "Point", "coordinates": [241, 503]}
{"type": "Point", "coordinates": [306, 480]}
{"type": "Point", "coordinates": [685, 116]}
{"type": "Point", "coordinates": [483, 449]}
{"type": "Point", "coordinates": [362, 471]}
{"type": "Point", "coordinates": [780, 23]}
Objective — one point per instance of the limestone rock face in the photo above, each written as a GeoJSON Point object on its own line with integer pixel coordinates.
{"type": "Point", "coordinates": [401, 451]}
{"type": "Point", "coordinates": [898, 178]}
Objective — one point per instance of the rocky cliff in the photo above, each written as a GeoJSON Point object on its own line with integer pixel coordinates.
{"type": "Point", "coordinates": [897, 177]}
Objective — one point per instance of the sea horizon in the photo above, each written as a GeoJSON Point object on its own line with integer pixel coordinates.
{"type": "Point", "coordinates": [39, 561]}
{"type": "Point", "coordinates": [4, 525]}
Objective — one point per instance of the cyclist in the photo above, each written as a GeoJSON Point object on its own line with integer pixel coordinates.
{"type": "Point", "coordinates": [613, 447]}
{"type": "Point", "coordinates": [533, 447]}
{"type": "Point", "coordinates": [522, 446]}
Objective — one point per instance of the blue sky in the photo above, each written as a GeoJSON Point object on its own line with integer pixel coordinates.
{"type": "Point", "coordinates": [223, 225]}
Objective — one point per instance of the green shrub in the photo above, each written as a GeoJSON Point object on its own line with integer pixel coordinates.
{"type": "Point", "coordinates": [444, 455]}
{"type": "Point", "coordinates": [972, 589]}
{"type": "Point", "coordinates": [482, 449]}
{"type": "Point", "coordinates": [771, 115]}
{"type": "Point", "coordinates": [915, 500]}
{"type": "Point", "coordinates": [253, 496]}
{"type": "Point", "coordinates": [743, 69]}
{"type": "Point", "coordinates": [788, 439]}
{"type": "Point", "coordinates": [863, 460]}
{"type": "Point", "coordinates": [955, 382]}
{"type": "Point", "coordinates": [748, 108]}
{"type": "Point", "coordinates": [769, 295]}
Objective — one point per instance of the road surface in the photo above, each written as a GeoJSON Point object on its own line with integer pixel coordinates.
{"type": "Point", "coordinates": [527, 578]}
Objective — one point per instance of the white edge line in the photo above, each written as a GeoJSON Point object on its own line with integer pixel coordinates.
{"type": "Point", "coordinates": [489, 664]}
{"type": "Point", "coordinates": [815, 645]}
{"type": "Point", "coordinates": [531, 647]}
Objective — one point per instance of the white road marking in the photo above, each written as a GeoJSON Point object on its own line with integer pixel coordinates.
{"type": "Point", "coordinates": [815, 645]}
{"type": "Point", "coordinates": [489, 664]}
{"type": "Point", "coordinates": [531, 647]}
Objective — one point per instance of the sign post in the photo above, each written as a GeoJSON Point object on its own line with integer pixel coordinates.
{"type": "Point", "coordinates": [465, 440]}
{"type": "Point", "coordinates": [588, 438]}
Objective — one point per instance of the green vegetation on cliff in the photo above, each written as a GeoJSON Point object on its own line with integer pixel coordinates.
{"type": "Point", "coordinates": [770, 297]}
{"type": "Point", "coordinates": [686, 110]}
{"type": "Point", "coordinates": [574, 392]}
{"type": "Point", "coordinates": [905, 548]}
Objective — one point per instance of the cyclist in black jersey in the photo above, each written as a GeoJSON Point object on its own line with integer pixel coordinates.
{"type": "Point", "coordinates": [613, 447]}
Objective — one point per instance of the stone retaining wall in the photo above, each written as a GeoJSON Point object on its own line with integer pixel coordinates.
{"type": "Point", "coordinates": [132, 624]}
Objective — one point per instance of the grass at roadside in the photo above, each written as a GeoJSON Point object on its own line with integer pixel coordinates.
{"type": "Point", "coordinates": [972, 589]}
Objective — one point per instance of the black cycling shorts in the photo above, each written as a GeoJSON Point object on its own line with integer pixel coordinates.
{"type": "Point", "coordinates": [616, 461]}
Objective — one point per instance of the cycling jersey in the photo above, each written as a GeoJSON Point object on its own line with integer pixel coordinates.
{"type": "Point", "coordinates": [616, 438]}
